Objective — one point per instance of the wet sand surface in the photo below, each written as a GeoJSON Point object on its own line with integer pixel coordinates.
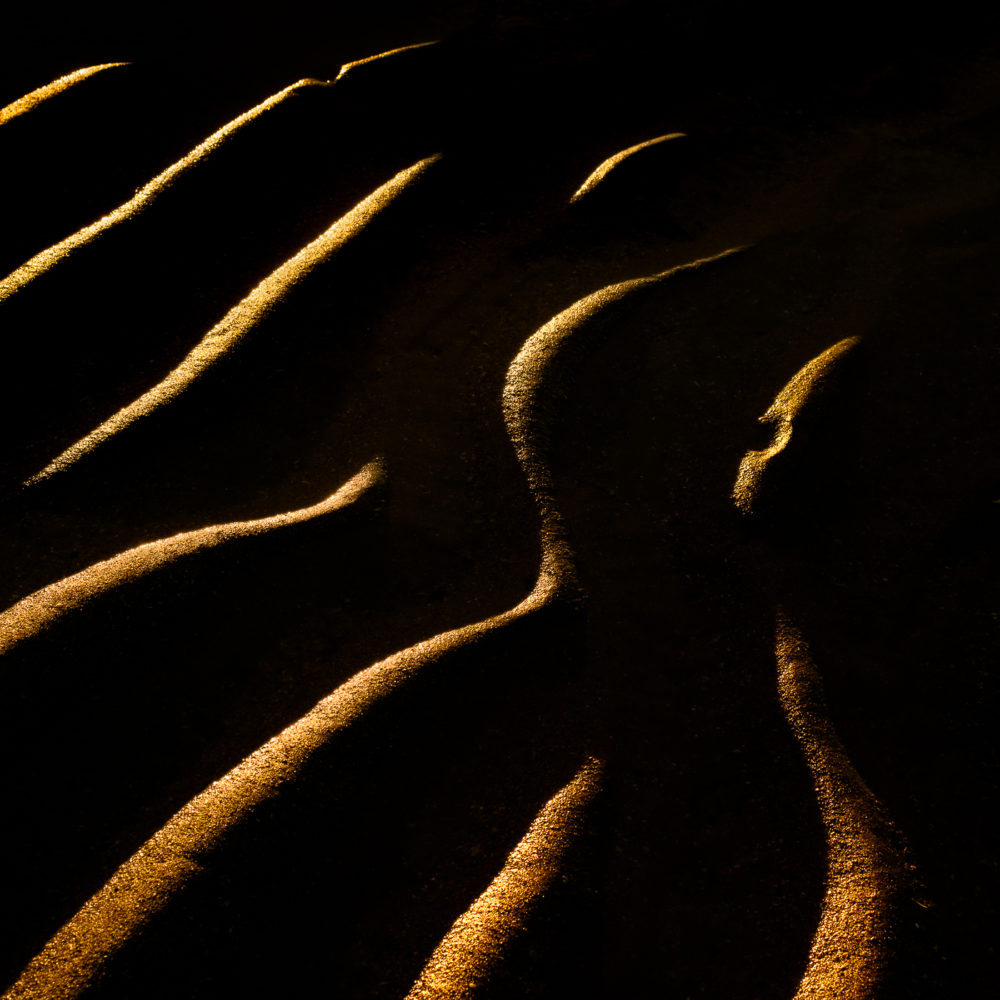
{"type": "Point", "coordinates": [514, 517]}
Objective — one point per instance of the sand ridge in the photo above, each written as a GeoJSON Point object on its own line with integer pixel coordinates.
{"type": "Point", "coordinates": [39, 610]}
{"type": "Point", "coordinates": [29, 101]}
{"type": "Point", "coordinates": [222, 338]}
{"type": "Point", "coordinates": [603, 169]}
{"type": "Point", "coordinates": [867, 868]}
{"type": "Point", "coordinates": [478, 939]}
{"type": "Point", "coordinates": [781, 416]}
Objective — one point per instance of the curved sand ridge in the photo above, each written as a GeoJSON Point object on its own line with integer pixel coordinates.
{"type": "Point", "coordinates": [167, 862]}
{"type": "Point", "coordinates": [31, 100]}
{"type": "Point", "coordinates": [41, 609]}
{"type": "Point", "coordinates": [525, 412]}
{"type": "Point", "coordinates": [244, 316]}
{"type": "Point", "coordinates": [781, 414]}
{"type": "Point", "coordinates": [866, 872]}
{"type": "Point", "coordinates": [478, 938]}
{"type": "Point", "coordinates": [611, 162]}
{"type": "Point", "coordinates": [865, 865]}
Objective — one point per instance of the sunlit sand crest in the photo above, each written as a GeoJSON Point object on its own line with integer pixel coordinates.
{"type": "Point", "coordinates": [39, 610]}
{"type": "Point", "coordinates": [535, 361]}
{"type": "Point", "coordinates": [865, 866]}
{"type": "Point", "coordinates": [243, 317]}
{"type": "Point", "coordinates": [145, 196]}
{"type": "Point", "coordinates": [381, 55]}
{"type": "Point", "coordinates": [478, 939]}
{"type": "Point", "coordinates": [31, 100]}
{"type": "Point", "coordinates": [781, 415]}
{"type": "Point", "coordinates": [612, 161]}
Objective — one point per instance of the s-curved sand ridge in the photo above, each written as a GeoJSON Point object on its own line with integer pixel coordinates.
{"type": "Point", "coordinates": [40, 94]}
{"type": "Point", "coordinates": [866, 870]}
{"type": "Point", "coordinates": [526, 410]}
{"type": "Point", "coordinates": [478, 939]}
{"type": "Point", "coordinates": [244, 316]}
{"type": "Point", "coordinates": [168, 861]}
{"type": "Point", "coordinates": [37, 611]}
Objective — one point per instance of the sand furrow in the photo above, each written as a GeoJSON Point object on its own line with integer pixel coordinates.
{"type": "Point", "coordinates": [31, 100]}
{"type": "Point", "coordinates": [38, 611]}
{"type": "Point", "coordinates": [244, 316]}
{"type": "Point", "coordinates": [866, 871]}
{"type": "Point", "coordinates": [479, 938]}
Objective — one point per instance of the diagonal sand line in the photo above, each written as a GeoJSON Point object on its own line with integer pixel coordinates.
{"type": "Point", "coordinates": [611, 162]}
{"type": "Point", "coordinates": [37, 611]}
{"type": "Point", "coordinates": [347, 67]}
{"type": "Point", "coordinates": [866, 871]}
{"type": "Point", "coordinates": [31, 100]}
{"type": "Point", "coordinates": [46, 259]}
{"type": "Point", "coordinates": [243, 317]}
{"type": "Point", "coordinates": [478, 939]}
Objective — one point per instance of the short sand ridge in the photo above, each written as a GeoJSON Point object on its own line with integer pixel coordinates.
{"type": "Point", "coordinates": [601, 172]}
{"type": "Point", "coordinates": [31, 100]}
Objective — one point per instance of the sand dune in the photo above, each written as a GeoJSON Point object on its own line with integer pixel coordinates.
{"type": "Point", "coordinates": [497, 715]}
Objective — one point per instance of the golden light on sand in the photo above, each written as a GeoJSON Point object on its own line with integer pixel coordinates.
{"type": "Point", "coordinates": [611, 162]}
{"type": "Point", "coordinates": [524, 407]}
{"type": "Point", "coordinates": [244, 316]}
{"type": "Point", "coordinates": [479, 938]}
{"type": "Point", "coordinates": [781, 415]}
{"type": "Point", "coordinates": [39, 610]}
{"type": "Point", "coordinates": [866, 872]}
{"type": "Point", "coordinates": [347, 67]}
{"type": "Point", "coordinates": [30, 101]}
{"type": "Point", "coordinates": [145, 196]}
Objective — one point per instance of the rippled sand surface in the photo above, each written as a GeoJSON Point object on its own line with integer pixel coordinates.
{"type": "Point", "coordinates": [501, 502]}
